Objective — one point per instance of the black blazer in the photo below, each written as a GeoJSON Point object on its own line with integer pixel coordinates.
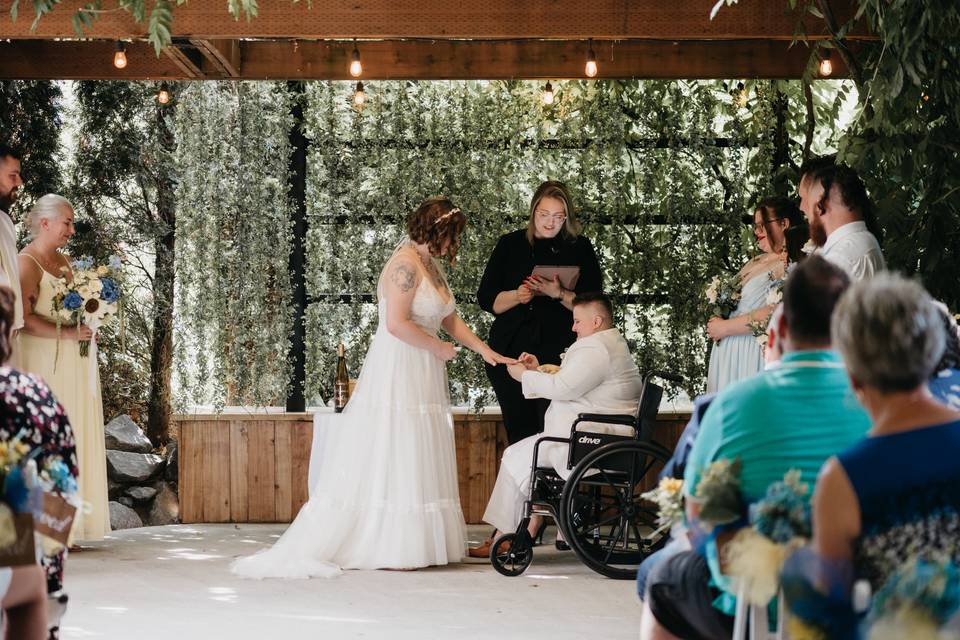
{"type": "Point", "coordinates": [543, 326]}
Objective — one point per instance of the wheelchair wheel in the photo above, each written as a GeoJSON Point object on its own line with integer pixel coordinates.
{"type": "Point", "coordinates": [604, 519]}
{"type": "Point", "coordinates": [510, 555]}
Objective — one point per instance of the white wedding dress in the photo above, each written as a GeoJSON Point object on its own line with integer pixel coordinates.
{"type": "Point", "coordinates": [386, 493]}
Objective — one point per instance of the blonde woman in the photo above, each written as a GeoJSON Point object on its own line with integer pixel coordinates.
{"type": "Point", "coordinates": [57, 359]}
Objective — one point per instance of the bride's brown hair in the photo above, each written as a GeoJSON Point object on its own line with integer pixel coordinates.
{"type": "Point", "coordinates": [436, 222]}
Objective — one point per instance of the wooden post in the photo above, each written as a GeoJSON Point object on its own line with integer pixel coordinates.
{"type": "Point", "coordinates": [296, 400]}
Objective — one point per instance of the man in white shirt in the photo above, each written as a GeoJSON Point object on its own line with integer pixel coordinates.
{"type": "Point", "coordinates": [598, 375]}
{"type": "Point", "coordinates": [836, 205]}
{"type": "Point", "coordinates": [10, 183]}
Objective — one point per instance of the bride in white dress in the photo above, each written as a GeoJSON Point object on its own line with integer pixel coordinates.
{"type": "Point", "coordinates": [385, 492]}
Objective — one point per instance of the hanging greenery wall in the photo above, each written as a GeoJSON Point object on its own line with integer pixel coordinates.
{"type": "Point", "coordinates": [31, 121]}
{"type": "Point", "coordinates": [660, 171]}
{"type": "Point", "coordinates": [233, 242]}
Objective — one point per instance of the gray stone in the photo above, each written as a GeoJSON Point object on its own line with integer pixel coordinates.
{"type": "Point", "coordinates": [166, 506]}
{"type": "Point", "coordinates": [173, 462]}
{"type": "Point", "coordinates": [125, 501]}
{"type": "Point", "coordinates": [141, 494]}
{"type": "Point", "coordinates": [123, 466]}
{"type": "Point", "coordinates": [123, 517]}
{"type": "Point", "coordinates": [115, 489]}
{"type": "Point", "coordinates": [123, 434]}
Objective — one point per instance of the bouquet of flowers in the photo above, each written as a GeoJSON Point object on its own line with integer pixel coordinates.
{"type": "Point", "coordinates": [723, 294]}
{"type": "Point", "coordinates": [92, 297]}
{"type": "Point", "coordinates": [778, 279]}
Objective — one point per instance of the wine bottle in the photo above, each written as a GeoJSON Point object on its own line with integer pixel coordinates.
{"type": "Point", "coordinates": [341, 384]}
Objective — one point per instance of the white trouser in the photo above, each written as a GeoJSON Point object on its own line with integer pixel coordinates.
{"type": "Point", "coordinates": [505, 508]}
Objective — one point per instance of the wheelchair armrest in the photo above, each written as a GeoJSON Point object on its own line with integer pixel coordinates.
{"type": "Point", "coordinates": [605, 418]}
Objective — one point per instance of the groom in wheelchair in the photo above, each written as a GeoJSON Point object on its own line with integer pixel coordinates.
{"type": "Point", "coordinates": [597, 389]}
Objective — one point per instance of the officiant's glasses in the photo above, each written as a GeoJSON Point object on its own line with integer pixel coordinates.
{"type": "Point", "coordinates": [544, 216]}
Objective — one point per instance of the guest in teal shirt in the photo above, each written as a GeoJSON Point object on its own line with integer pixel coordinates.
{"type": "Point", "coordinates": [792, 417]}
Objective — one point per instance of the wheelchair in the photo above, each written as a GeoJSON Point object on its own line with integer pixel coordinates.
{"type": "Point", "coordinates": [599, 508]}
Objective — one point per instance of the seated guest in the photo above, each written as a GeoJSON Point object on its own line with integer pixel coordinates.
{"type": "Point", "coordinates": [841, 219]}
{"type": "Point", "coordinates": [793, 416]}
{"type": "Point", "coordinates": [897, 492]}
{"type": "Point", "coordinates": [25, 404]}
{"type": "Point", "coordinates": [598, 375]}
{"type": "Point", "coordinates": [28, 409]}
{"type": "Point", "coordinates": [945, 382]}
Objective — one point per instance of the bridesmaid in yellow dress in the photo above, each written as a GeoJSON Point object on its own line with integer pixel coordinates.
{"type": "Point", "coordinates": [59, 362]}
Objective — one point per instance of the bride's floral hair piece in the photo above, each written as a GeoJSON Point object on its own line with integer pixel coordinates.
{"type": "Point", "coordinates": [437, 223]}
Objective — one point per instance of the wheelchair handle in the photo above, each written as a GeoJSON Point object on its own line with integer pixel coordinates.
{"type": "Point", "coordinates": [666, 375]}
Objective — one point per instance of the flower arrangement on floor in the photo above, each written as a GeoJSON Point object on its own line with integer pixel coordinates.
{"type": "Point", "coordinates": [91, 297]}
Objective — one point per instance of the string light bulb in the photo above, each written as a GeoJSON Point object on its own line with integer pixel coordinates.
{"type": "Point", "coordinates": [120, 56]}
{"type": "Point", "coordinates": [591, 67]}
{"type": "Point", "coordinates": [826, 65]}
{"type": "Point", "coordinates": [163, 96]}
{"type": "Point", "coordinates": [359, 97]}
{"type": "Point", "coordinates": [356, 68]}
{"type": "Point", "coordinates": [548, 94]}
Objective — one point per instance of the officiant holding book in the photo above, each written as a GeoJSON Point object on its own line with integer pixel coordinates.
{"type": "Point", "coordinates": [528, 285]}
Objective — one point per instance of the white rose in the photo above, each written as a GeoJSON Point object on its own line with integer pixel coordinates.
{"type": "Point", "coordinates": [774, 297]}
{"type": "Point", "coordinates": [85, 292]}
{"type": "Point", "coordinates": [809, 247]}
{"type": "Point", "coordinates": [712, 290]}
{"type": "Point", "coordinates": [102, 270]}
{"type": "Point", "coordinates": [95, 286]}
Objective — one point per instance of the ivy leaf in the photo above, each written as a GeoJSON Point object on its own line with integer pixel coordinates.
{"type": "Point", "coordinates": [13, 9]}
{"type": "Point", "coordinates": [896, 84]}
{"type": "Point", "coordinates": [815, 11]}
{"type": "Point", "coordinates": [159, 28]}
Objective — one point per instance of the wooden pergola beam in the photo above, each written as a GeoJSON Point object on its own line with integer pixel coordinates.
{"type": "Point", "coordinates": [416, 60]}
{"type": "Point", "coordinates": [486, 19]}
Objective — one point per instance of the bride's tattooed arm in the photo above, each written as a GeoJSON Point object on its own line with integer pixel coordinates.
{"type": "Point", "coordinates": [404, 276]}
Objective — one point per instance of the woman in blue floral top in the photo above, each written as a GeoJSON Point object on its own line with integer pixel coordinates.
{"type": "Point", "coordinates": [29, 410]}
{"type": "Point", "coordinates": [895, 496]}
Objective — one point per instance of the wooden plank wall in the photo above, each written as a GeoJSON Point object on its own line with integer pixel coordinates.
{"type": "Point", "coordinates": [253, 468]}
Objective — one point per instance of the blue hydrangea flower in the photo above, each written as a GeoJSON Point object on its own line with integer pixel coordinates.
{"type": "Point", "coordinates": [72, 301]}
{"type": "Point", "coordinates": [109, 291]}
{"type": "Point", "coordinates": [82, 264]}
{"type": "Point", "coordinates": [115, 262]}
{"type": "Point", "coordinates": [62, 480]}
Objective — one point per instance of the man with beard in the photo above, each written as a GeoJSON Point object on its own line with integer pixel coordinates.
{"type": "Point", "coordinates": [10, 183]}
{"type": "Point", "coordinates": [837, 209]}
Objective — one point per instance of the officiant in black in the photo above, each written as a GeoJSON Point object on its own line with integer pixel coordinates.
{"type": "Point", "coordinates": [532, 299]}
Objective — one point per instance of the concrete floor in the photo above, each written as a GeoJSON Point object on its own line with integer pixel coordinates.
{"type": "Point", "coordinates": [173, 583]}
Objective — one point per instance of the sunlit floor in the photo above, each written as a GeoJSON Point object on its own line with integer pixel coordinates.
{"type": "Point", "coordinates": [173, 583]}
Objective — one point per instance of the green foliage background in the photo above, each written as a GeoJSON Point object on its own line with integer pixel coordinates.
{"type": "Point", "coordinates": [660, 171]}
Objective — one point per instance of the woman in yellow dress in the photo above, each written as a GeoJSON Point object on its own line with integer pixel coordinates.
{"type": "Point", "coordinates": [58, 360]}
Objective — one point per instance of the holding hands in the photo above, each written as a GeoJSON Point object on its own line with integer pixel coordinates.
{"type": "Point", "coordinates": [717, 329]}
{"type": "Point", "coordinates": [446, 351]}
{"type": "Point", "coordinates": [524, 294]}
{"type": "Point", "coordinates": [526, 362]}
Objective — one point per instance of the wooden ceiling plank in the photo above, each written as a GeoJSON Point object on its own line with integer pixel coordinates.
{"type": "Point", "coordinates": [183, 62]}
{"type": "Point", "coordinates": [417, 60]}
{"type": "Point", "coordinates": [505, 19]}
{"type": "Point", "coordinates": [225, 55]}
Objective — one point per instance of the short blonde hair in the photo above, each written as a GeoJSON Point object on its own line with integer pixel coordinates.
{"type": "Point", "coordinates": [47, 207]}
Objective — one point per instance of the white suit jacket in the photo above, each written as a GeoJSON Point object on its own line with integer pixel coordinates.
{"type": "Point", "coordinates": [598, 375]}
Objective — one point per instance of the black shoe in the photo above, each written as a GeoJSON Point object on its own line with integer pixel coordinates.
{"type": "Point", "coordinates": [562, 545]}
{"type": "Point", "coordinates": [538, 537]}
